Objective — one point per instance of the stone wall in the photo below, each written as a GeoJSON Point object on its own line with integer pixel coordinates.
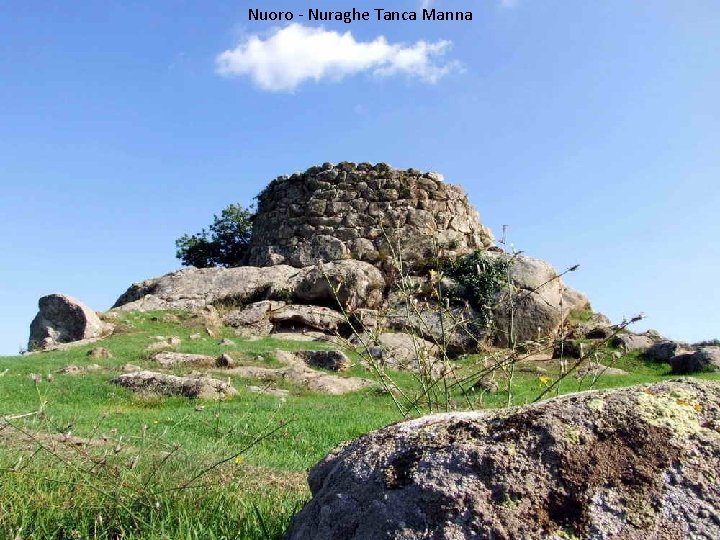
{"type": "Point", "coordinates": [363, 211]}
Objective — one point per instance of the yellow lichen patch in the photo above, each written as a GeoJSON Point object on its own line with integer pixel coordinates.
{"type": "Point", "coordinates": [573, 435]}
{"type": "Point", "coordinates": [675, 411]}
{"type": "Point", "coordinates": [595, 404]}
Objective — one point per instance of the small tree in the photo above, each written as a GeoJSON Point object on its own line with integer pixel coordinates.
{"type": "Point", "coordinates": [227, 243]}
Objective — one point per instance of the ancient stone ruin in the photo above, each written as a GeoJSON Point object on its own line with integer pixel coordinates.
{"type": "Point", "coordinates": [363, 212]}
{"type": "Point", "coordinates": [342, 236]}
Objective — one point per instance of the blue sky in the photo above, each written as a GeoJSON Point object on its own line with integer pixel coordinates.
{"type": "Point", "coordinates": [590, 128]}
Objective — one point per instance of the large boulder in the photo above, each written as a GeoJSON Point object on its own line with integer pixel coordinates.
{"type": "Point", "coordinates": [636, 463]}
{"type": "Point", "coordinates": [355, 284]}
{"type": "Point", "coordinates": [253, 319]}
{"type": "Point", "coordinates": [406, 351]}
{"type": "Point", "coordinates": [664, 351]}
{"type": "Point", "coordinates": [63, 319]}
{"type": "Point", "coordinates": [193, 288]}
{"type": "Point", "coordinates": [305, 317]}
{"type": "Point", "coordinates": [704, 359]}
{"type": "Point", "coordinates": [532, 306]}
{"type": "Point", "coordinates": [574, 300]}
{"type": "Point", "coordinates": [633, 342]}
{"type": "Point", "coordinates": [152, 383]}
{"type": "Point", "coordinates": [450, 328]}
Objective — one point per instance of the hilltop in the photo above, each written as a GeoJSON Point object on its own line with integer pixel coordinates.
{"type": "Point", "coordinates": [370, 295]}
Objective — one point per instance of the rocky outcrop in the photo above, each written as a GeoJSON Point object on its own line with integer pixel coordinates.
{"type": "Point", "coordinates": [357, 211]}
{"type": "Point", "coordinates": [194, 288]}
{"type": "Point", "coordinates": [161, 384]}
{"type": "Point", "coordinates": [253, 319]}
{"type": "Point", "coordinates": [635, 463]}
{"type": "Point", "coordinates": [264, 317]}
{"type": "Point", "coordinates": [353, 284]}
{"type": "Point", "coordinates": [63, 319]}
{"type": "Point", "coordinates": [358, 284]}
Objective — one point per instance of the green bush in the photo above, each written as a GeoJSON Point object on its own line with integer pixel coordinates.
{"type": "Point", "coordinates": [227, 243]}
{"type": "Point", "coordinates": [480, 280]}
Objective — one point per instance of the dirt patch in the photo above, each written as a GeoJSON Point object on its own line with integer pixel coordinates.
{"type": "Point", "coordinates": [631, 458]}
{"type": "Point", "coordinates": [17, 437]}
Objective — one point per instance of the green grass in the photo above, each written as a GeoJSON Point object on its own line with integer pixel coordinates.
{"type": "Point", "coordinates": [253, 449]}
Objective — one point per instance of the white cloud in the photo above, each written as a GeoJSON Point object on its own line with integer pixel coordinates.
{"type": "Point", "coordinates": [290, 56]}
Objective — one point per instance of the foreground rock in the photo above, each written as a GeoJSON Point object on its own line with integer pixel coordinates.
{"type": "Point", "coordinates": [63, 319]}
{"type": "Point", "coordinates": [635, 463]}
{"type": "Point", "coordinates": [161, 384]}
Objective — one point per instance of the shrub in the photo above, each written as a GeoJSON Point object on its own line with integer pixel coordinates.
{"type": "Point", "coordinates": [227, 243]}
{"type": "Point", "coordinates": [480, 279]}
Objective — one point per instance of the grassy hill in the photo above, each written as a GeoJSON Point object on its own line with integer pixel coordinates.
{"type": "Point", "coordinates": [82, 458]}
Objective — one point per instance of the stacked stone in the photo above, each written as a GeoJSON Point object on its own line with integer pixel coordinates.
{"type": "Point", "coordinates": [366, 212]}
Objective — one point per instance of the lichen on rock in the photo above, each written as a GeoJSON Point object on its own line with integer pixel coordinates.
{"type": "Point", "coordinates": [633, 463]}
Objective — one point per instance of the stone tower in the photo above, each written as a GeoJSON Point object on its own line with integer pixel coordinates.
{"type": "Point", "coordinates": [365, 212]}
